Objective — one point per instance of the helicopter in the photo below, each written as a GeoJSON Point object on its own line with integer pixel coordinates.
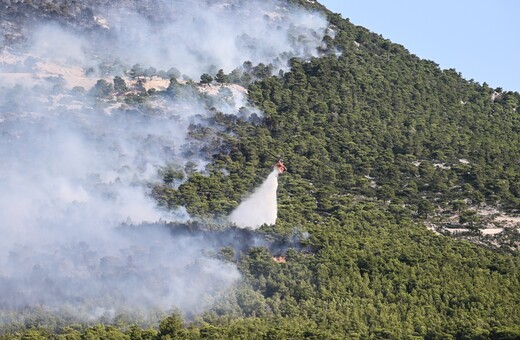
{"type": "Point", "coordinates": [280, 166]}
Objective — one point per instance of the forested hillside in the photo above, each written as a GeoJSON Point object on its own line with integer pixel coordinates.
{"type": "Point", "coordinates": [379, 144]}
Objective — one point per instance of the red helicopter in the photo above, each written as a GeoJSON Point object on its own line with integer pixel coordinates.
{"type": "Point", "coordinates": [280, 166]}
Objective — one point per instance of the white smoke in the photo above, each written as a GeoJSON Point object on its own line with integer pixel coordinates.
{"type": "Point", "coordinates": [67, 179]}
{"type": "Point", "coordinates": [259, 208]}
{"type": "Point", "coordinates": [199, 35]}
{"type": "Point", "coordinates": [73, 169]}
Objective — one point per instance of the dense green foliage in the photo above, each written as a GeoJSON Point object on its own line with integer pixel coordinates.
{"type": "Point", "coordinates": [373, 138]}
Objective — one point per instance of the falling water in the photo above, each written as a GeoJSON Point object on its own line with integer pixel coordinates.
{"type": "Point", "coordinates": [259, 208]}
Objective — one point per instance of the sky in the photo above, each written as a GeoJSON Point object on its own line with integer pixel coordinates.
{"type": "Point", "coordinates": [478, 38]}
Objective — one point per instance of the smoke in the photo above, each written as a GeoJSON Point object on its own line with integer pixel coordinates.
{"type": "Point", "coordinates": [132, 271]}
{"type": "Point", "coordinates": [259, 208]}
{"type": "Point", "coordinates": [50, 42]}
{"type": "Point", "coordinates": [195, 36]}
{"type": "Point", "coordinates": [68, 178]}
{"type": "Point", "coordinates": [74, 168]}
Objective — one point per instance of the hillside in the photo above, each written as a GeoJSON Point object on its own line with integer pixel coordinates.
{"type": "Point", "coordinates": [397, 218]}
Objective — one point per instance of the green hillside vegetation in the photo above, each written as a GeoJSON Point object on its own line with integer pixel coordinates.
{"type": "Point", "coordinates": [373, 138]}
{"type": "Point", "coordinates": [376, 123]}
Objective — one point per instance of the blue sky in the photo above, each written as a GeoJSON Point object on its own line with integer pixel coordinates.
{"type": "Point", "coordinates": [478, 38]}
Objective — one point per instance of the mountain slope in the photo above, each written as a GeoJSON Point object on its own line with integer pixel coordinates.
{"type": "Point", "coordinates": [376, 136]}
{"type": "Point", "coordinates": [377, 142]}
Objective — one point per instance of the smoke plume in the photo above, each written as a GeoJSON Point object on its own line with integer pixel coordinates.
{"type": "Point", "coordinates": [226, 33]}
{"type": "Point", "coordinates": [74, 168]}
